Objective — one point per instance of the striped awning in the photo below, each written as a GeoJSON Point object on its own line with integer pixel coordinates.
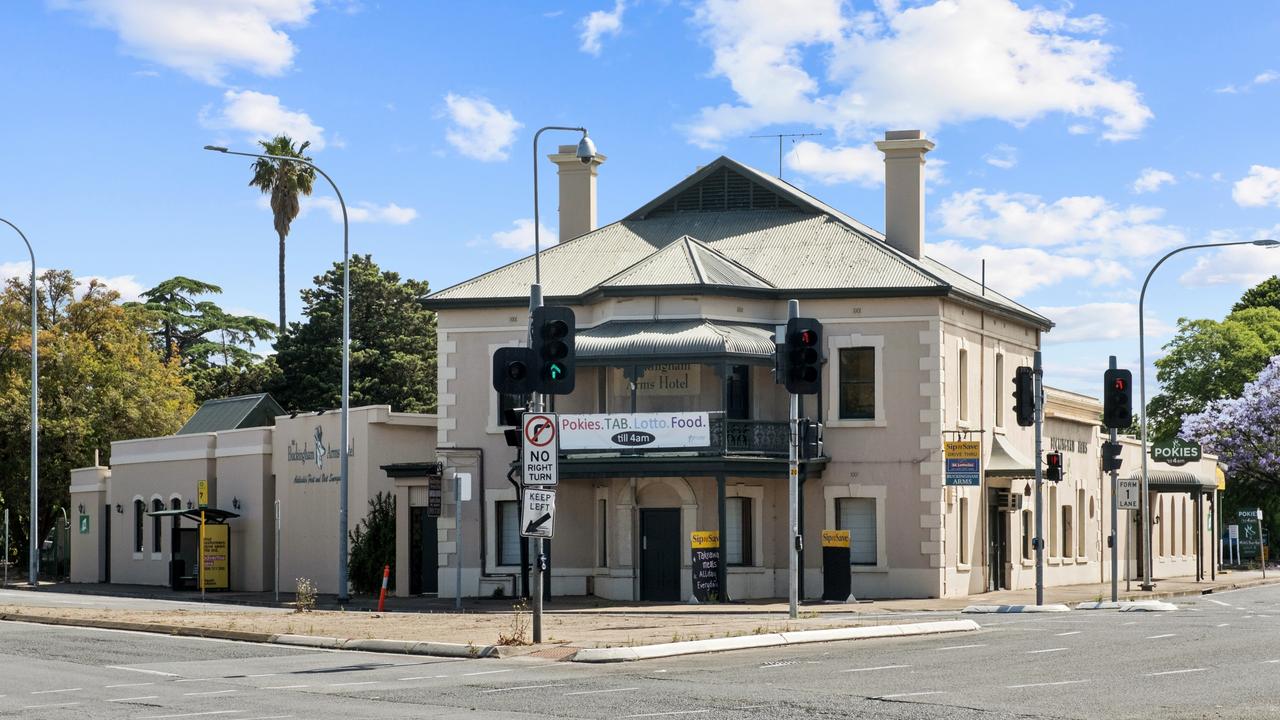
{"type": "Point", "coordinates": [665, 340]}
{"type": "Point", "coordinates": [1007, 461]}
{"type": "Point", "coordinates": [1167, 481]}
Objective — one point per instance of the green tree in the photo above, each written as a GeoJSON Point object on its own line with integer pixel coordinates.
{"type": "Point", "coordinates": [213, 346]}
{"type": "Point", "coordinates": [373, 546]}
{"type": "Point", "coordinates": [1211, 360]}
{"type": "Point", "coordinates": [393, 343]}
{"type": "Point", "coordinates": [284, 181]}
{"type": "Point", "coordinates": [101, 380]}
{"type": "Point", "coordinates": [1264, 294]}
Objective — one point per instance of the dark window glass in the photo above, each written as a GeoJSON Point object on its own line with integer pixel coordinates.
{"type": "Point", "coordinates": [737, 526]}
{"type": "Point", "coordinates": [858, 383]}
{"type": "Point", "coordinates": [156, 530]}
{"type": "Point", "coordinates": [508, 529]}
{"type": "Point", "coordinates": [139, 510]}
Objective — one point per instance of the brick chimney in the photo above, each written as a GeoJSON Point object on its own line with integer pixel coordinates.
{"type": "Point", "coordinates": [577, 191]}
{"type": "Point", "coordinates": [904, 189]}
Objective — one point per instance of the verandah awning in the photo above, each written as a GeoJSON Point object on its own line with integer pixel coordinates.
{"type": "Point", "coordinates": [1007, 461]}
{"type": "Point", "coordinates": [1167, 481]}
{"type": "Point", "coordinates": [663, 340]}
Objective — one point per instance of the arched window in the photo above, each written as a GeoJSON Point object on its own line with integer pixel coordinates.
{"type": "Point", "coordinates": [176, 504]}
{"type": "Point", "coordinates": [139, 510]}
{"type": "Point", "coordinates": [157, 530]}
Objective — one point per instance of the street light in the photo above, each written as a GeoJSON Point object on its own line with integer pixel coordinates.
{"type": "Point", "coordinates": [33, 560]}
{"type": "Point", "coordinates": [586, 153]}
{"type": "Point", "coordinates": [1142, 401]}
{"type": "Point", "coordinates": [346, 361]}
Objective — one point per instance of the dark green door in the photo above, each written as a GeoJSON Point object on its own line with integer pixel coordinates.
{"type": "Point", "coordinates": [423, 557]}
{"type": "Point", "coordinates": [660, 554]}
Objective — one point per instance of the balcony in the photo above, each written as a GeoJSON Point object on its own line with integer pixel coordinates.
{"type": "Point", "coordinates": [763, 438]}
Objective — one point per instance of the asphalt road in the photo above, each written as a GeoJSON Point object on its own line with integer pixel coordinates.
{"type": "Point", "coordinates": [48, 598]}
{"type": "Point", "coordinates": [1218, 656]}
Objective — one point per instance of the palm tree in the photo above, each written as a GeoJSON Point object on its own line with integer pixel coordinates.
{"type": "Point", "coordinates": [284, 181]}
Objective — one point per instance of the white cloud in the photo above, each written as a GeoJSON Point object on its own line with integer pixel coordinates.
{"type": "Point", "coordinates": [600, 23]}
{"type": "Point", "coordinates": [1238, 266]}
{"type": "Point", "coordinates": [1079, 226]}
{"type": "Point", "coordinates": [263, 117]}
{"type": "Point", "coordinates": [205, 40]}
{"type": "Point", "coordinates": [520, 236]}
{"type": "Point", "coordinates": [1003, 156]}
{"type": "Point", "coordinates": [363, 212]}
{"type": "Point", "coordinates": [862, 164]}
{"type": "Point", "coordinates": [1259, 188]}
{"type": "Point", "coordinates": [1015, 272]}
{"type": "Point", "coordinates": [1151, 179]}
{"type": "Point", "coordinates": [1097, 321]}
{"type": "Point", "coordinates": [791, 61]}
{"type": "Point", "coordinates": [1262, 78]}
{"type": "Point", "coordinates": [479, 130]}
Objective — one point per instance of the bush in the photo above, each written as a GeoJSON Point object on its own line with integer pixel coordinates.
{"type": "Point", "coordinates": [305, 601]}
{"type": "Point", "coordinates": [373, 546]}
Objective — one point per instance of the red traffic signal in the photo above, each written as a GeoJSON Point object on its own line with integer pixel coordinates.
{"type": "Point", "coordinates": [1053, 466]}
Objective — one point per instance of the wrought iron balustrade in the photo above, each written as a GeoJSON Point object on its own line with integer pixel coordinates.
{"type": "Point", "coordinates": [749, 437]}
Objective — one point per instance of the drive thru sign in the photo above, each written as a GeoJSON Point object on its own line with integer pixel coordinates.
{"type": "Point", "coordinates": [541, 454]}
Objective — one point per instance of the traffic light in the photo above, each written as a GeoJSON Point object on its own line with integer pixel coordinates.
{"type": "Point", "coordinates": [803, 352]}
{"type": "Point", "coordinates": [1117, 399]}
{"type": "Point", "coordinates": [513, 371]}
{"type": "Point", "coordinates": [1053, 466]}
{"type": "Point", "coordinates": [1110, 456]}
{"type": "Point", "coordinates": [512, 421]}
{"type": "Point", "coordinates": [1024, 396]}
{"type": "Point", "coordinates": [552, 342]}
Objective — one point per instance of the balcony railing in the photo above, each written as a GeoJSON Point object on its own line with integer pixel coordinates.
{"type": "Point", "coordinates": [749, 437]}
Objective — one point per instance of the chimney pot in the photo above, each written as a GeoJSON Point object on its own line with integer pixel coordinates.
{"type": "Point", "coordinates": [577, 191]}
{"type": "Point", "coordinates": [904, 189]}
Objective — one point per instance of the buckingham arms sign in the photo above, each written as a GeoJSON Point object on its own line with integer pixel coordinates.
{"type": "Point", "coordinates": [635, 431]}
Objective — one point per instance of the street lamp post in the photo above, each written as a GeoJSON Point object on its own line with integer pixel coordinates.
{"type": "Point", "coordinates": [586, 153]}
{"type": "Point", "coordinates": [346, 361]}
{"type": "Point", "coordinates": [1142, 399]}
{"type": "Point", "coordinates": [33, 560]}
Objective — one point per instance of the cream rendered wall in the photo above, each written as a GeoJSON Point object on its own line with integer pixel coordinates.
{"type": "Point", "coordinates": [243, 469]}
{"type": "Point", "coordinates": [88, 487]}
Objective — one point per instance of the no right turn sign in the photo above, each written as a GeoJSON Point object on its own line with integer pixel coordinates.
{"type": "Point", "coordinates": [541, 450]}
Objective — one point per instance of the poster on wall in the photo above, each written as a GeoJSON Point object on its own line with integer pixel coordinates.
{"type": "Point", "coordinates": [706, 566]}
{"type": "Point", "coordinates": [634, 431]}
{"type": "Point", "coordinates": [217, 557]}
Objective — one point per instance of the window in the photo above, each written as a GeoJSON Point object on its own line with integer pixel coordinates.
{"type": "Point", "coordinates": [139, 509]}
{"type": "Point", "coordinates": [963, 379]}
{"type": "Point", "coordinates": [508, 529]}
{"type": "Point", "coordinates": [858, 383]}
{"type": "Point", "coordinates": [999, 385]}
{"type": "Point", "coordinates": [737, 531]}
{"type": "Point", "coordinates": [1186, 550]}
{"type": "Point", "coordinates": [1027, 534]}
{"type": "Point", "coordinates": [603, 560]}
{"type": "Point", "coordinates": [1081, 550]}
{"type": "Point", "coordinates": [964, 531]}
{"type": "Point", "coordinates": [1067, 536]}
{"type": "Point", "coordinates": [1051, 511]}
{"type": "Point", "coordinates": [858, 516]}
{"type": "Point", "coordinates": [1161, 525]}
{"type": "Point", "coordinates": [176, 504]}
{"type": "Point", "coordinates": [157, 531]}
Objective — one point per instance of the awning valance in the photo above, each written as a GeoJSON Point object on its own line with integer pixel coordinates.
{"type": "Point", "coordinates": [662, 340]}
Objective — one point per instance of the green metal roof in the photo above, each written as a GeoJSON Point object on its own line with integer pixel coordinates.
{"type": "Point", "coordinates": [233, 413]}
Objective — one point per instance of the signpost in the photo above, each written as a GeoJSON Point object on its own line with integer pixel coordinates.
{"type": "Point", "coordinates": [964, 462]}
{"type": "Point", "coordinates": [1129, 493]}
{"type": "Point", "coordinates": [706, 565]}
{"type": "Point", "coordinates": [541, 450]}
{"type": "Point", "coordinates": [1233, 540]}
{"type": "Point", "coordinates": [837, 585]}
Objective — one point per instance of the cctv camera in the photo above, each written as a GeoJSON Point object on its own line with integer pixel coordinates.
{"type": "Point", "coordinates": [586, 160]}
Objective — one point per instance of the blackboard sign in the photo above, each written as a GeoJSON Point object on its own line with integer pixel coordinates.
{"type": "Point", "coordinates": [434, 495]}
{"type": "Point", "coordinates": [706, 566]}
{"type": "Point", "coordinates": [836, 582]}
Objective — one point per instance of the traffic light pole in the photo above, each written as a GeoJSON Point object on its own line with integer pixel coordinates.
{"type": "Point", "coordinates": [1115, 514]}
{"type": "Point", "coordinates": [793, 490]}
{"type": "Point", "coordinates": [1039, 475]}
{"type": "Point", "coordinates": [535, 404]}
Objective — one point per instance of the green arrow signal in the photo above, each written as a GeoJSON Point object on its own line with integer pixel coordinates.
{"type": "Point", "coordinates": [556, 371]}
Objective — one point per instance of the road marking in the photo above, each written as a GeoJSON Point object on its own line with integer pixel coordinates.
{"type": "Point", "coordinates": [34, 707]}
{"type": "Point", "coordinates": [1034, 652]}
{"type": "Point", "coordinates": [142, 670]}
{"type": "Point", "coordinates": [522, 687]}
{"type": "Point", "coordinates": [263, 675]}
{"type": "Point", "coordinates": [194, 714]}
{"type": "Point", "coordinates": [130, 699]}
{"type": "Point", "coordinates": [210, 692]}
{"type": "Point", "coordinates": [1177, 672]}
{"type": "Point", "coordinates": [1157, 637]}
{"type": "Point", "coordinates": [268, 717]}
{"type": "Point", "coordinates": [1131, 622]}
{"type": "Point", "coordinates": [50, 692]}
{"type": "Point", "coordinates": [1047, 684]}
{"type": "Point", "coordinates": [283, 687]}
{"type": "Point", "coordinates": [346, 684]}
{"type": "Point", "coordinates": [423, 677]}
{"type": "Point", "coordinates": [1219, 602]}
{"type": "Point", "coordinates": [878, 667]}
{"type": "Point", "coordinates": [485, 672]}
{"type": "Point", "coordinates": [128, 685]}
{"type": "Point", "coordinates": [963, 647]}
{"type": "Point", "coordinates": [1264, 662]}
{"type": "Point", "coordinates": [197, 680]}
{"type": "Point", "coordinates": [597, 692]}
{"type": "Point", "coordinates": [673, 712]}
{"type": "Point", "coordinates": [914, 694]}
{"type": "Point", "coordinates": [1073, 632]}
{"type": "Point", "coordinates": [1222, 624]}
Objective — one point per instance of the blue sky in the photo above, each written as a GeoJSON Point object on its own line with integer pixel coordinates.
{"type": "Point", "coordinates": [1076, 142]}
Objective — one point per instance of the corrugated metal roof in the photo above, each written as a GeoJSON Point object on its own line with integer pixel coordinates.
{"type": "Point", "coordinates": [686, 262]}
{"type": "Point", "coordinates": [233, 413]}
{"type": "Point", "coordinates": [1176, 481]}
{"type": "Point", "coordinates": [674, 339]}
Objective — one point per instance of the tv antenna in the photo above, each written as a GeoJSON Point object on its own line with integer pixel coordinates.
{"type": "Point", "coordinates": [785, 135]}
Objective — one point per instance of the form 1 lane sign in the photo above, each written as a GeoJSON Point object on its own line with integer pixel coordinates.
{"type": "Point", "coordinates": [541, 451]}
{"type": "Point", "coordinates": [537, 512]}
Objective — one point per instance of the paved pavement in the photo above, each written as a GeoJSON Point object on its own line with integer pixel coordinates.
{"type": "Point", "coordinates": [1218, 656]}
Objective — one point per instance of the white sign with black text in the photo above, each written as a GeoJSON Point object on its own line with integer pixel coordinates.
{"type": "Point", "coordinates": [638, 430]}
{"type": "Point", "coordinates": [537, 512]}
{"type": "Point", "coordinates": [1128, 492]}
{"type": "Point", "coordinates": [540, 459]}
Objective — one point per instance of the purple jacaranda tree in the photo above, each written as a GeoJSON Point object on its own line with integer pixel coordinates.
{"type": "Point", "coordinates": [1244, 431]}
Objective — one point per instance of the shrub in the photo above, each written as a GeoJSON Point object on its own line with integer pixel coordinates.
{"type": "Point", "coordinates": [305, 600]}
{"type": "Point", "coordinates": [373, 546]}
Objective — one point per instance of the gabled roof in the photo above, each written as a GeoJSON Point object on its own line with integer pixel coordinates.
{"type": "Point", "coordinates": [734, 228]}
{"type": "Point", "coordinates": [233, 413]}
{"type": "Point", "coordinates": [674, 339]}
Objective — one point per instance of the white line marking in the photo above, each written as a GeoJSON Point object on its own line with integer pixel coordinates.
{"type": "Point", "coordinates": [1073, 632]}
{"type": "Point", "coordinates": [597, 692]}
{"type": "Point", "coordinates": [197, 680]}
{"type": "Point", "coordinates": [194, 714]}
{"type": "Point", "coordinates": [142, 670]}
{"type": "Point", "coordinates": [485, 672]}
{"type": "Point", "coordinates": [269, 717]}
{"type": "Point", "coordinates": [673, 712]}
{"type": "Point", "coordinates": [50, 692]}
{"type": "Point", "coordinates": [878, 667]}
{"type": "Point", "coordinates": [1219, 602]}
{"type": "Point", "coordinates": [1222, 624]}
{"type": "Point", "coordinates": [963, 647]}
{"type": "Point", "coordinates": [128, 685]}
{"type": "Point", "coordinates": [1264, 662]}
{"type": "Point", "coordinates": [347, 684]}
{"type": "Point", "coordinates": [1157, 637]}
{"type": "Point", "coordinates": [914, 694]}
{"type": "Point", "coordinates": [263, 675]}
{"type": "Point", "coordinates": [130, 699]}
{"type": "Point", "coordinates": [34, 707]}
{"type": "Point", "coordinates": [522, 687]}
{"type": "Point", "coordinates": [1047, 684]}
{"type": "Point", "coordinates": [422, 677]}
{"type": "Point", "coordinates": [1177, 672]}
{"type": "Point", "coordinates": [283, 687]}
{"type": "Point", "coordinates": [1131, 622]}
{"type": "Point", "coordinates": [210, 692]}
{"type": "Point", "coordinates": [1035, 652]}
